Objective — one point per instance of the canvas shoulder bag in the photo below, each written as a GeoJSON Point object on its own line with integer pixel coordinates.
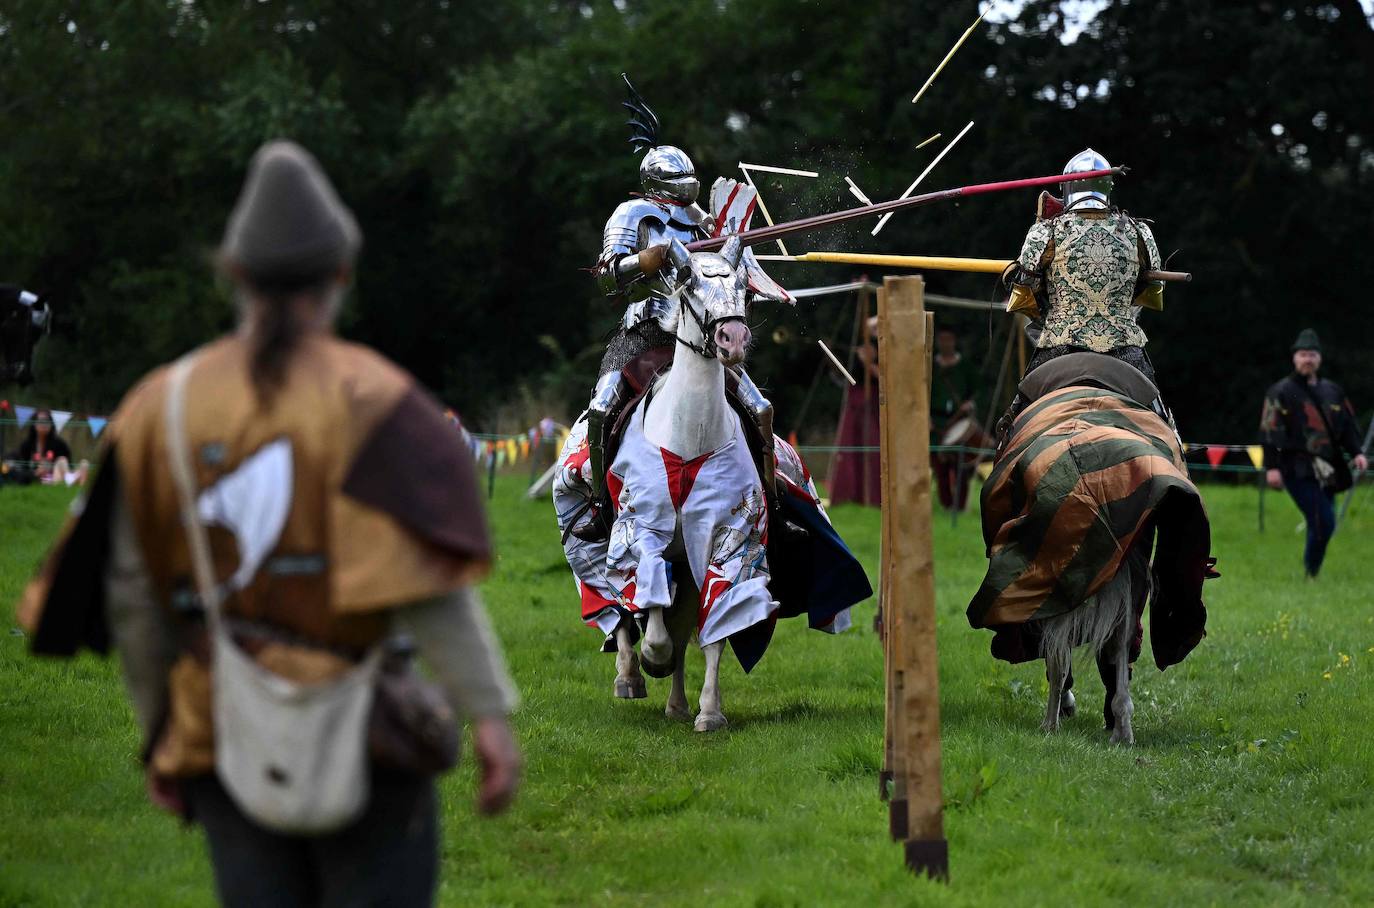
{"type": "Point", "coordinates": [293, 757]}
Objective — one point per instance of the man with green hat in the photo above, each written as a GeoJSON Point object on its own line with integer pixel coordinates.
{"type": "Point", "coordinates": [1307, 427]}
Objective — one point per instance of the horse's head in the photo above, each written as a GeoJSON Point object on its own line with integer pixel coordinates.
{"type": "Point", "coordinates": [713, 290]}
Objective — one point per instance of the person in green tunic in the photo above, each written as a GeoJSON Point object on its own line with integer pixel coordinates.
{"type": "Point", "coordinates": [954, 384]}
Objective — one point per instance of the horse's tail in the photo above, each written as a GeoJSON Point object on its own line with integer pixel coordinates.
{"type": "Point", "coordinates": [1096, 620]}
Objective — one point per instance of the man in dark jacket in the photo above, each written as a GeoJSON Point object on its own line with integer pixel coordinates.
{"type": "Point", "coordinates": [1306, 425]}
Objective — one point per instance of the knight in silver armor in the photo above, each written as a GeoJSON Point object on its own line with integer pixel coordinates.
{"type": "Point", "coordinates": [634, 255]}
{"type": "Point", "coordinates": [667, 210]}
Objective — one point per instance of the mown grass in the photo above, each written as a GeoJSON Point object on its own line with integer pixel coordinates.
{"type": "Point", "coordinates": [1251, 783]}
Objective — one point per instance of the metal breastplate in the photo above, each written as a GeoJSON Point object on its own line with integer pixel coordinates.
{"type": "Point", "coordinates": [636, 225]}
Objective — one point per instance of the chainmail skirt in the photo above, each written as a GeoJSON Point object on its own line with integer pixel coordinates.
{"type": "Point", "coordinates": [629, 343]}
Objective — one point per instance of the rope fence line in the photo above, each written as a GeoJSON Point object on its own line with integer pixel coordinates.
{"type": "Point", "coordinates": [989, 452]}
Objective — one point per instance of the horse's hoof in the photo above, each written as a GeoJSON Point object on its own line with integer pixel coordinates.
{"type": "Point", "coordinates": [1124, 737]}
{"type": "Point", "coordinates": [631, 689]}
{"type": "Point", "coordinates": [710, 722]}
{"type": "Point", "coordinates": [653, 670]}
{"type": "Point", "coordinates": [678, 713]}
{"type": "Point", "coordinates": [1068, 705]}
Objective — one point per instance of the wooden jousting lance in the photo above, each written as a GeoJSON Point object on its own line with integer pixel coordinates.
{"type": "Point", "coordinates": [817, 221]}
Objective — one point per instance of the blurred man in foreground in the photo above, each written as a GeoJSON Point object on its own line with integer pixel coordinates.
{"type": "Point", "coordinates": [250, 505]}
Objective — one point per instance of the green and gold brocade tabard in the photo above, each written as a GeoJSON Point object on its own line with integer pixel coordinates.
{"type": "Point", "coordinates": [1091, 262]}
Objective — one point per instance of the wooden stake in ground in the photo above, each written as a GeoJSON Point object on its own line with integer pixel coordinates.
{"type": "Point", "coordinates": [908, 581]}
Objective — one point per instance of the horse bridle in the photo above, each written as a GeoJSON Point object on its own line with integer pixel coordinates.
{"type": "Point", "coordinates": [708, 347]}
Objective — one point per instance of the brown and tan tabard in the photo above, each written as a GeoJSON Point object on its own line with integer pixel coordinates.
{"type": "Point", "coordinates": [383, 511]}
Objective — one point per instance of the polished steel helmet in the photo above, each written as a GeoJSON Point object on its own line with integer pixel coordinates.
{"type": "Point", "coordinates": [667, 172]}
{"type": "Point", "coordinates": [1087, 193]}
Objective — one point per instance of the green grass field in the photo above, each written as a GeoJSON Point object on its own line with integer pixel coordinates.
{"type": "Point", "coordinates": [1252, 782]}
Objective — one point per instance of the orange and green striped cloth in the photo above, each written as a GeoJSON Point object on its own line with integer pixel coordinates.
{"type": "Point", "coordinates": [1086, 474]}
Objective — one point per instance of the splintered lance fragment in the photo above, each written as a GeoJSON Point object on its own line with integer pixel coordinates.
{"type": "Point", "coordinates": [882, 221]}
{"type": "Point", "coordinates": [763, 208]}
{"type": "Point", "coordinates": [858, 193]}
{"type": "Point", "coordinates": [952, 51]}
{"type": "Point", "coordinates": [838, 365]}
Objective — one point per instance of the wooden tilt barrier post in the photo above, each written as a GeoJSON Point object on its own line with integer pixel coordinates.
{"type": "Point", "coordinates": [911, 752]}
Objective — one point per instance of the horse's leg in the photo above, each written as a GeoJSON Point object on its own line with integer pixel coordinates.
{"type": "Point", "coordinates": [678, 707]}
{"type": "Point", "coordinates": [1057, 663]}
{"type": "Point", "coordinates": [681, 623]}
{"type": "Point", "coordinates": [629, 683]}
{"type": "Point", "coordinates": [1122, 707]}
{"type": "Point", "coordinates": [1106, 669]}
{"type": "Point", "coordinates": [711, 718]}
{"type": "Point", "coordinates": [657, 648]}
{"type": "Point", "coordinates": [1068, 703]}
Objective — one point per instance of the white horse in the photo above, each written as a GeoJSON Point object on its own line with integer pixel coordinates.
{"type": "Point", "coordinates": [691, 506]}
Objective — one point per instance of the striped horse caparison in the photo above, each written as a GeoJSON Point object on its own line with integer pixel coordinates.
{"type": "Point", "coordinates": [1087, 514]}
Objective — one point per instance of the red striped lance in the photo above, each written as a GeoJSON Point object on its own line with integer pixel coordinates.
{"type": "Point", "coordinates": [817, 221]}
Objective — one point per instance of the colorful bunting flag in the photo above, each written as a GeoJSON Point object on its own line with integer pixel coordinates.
{"type": "Point", "coordinates": [1216, 454]}
{"type": "Point", "coordinates": [23, 414]}
{"type": "Point", "coordinates": [1256, 456]}
{"type": "Point", "coordinates": [97, 424]}
{"type": "Point", "coordinates": [60, 418]}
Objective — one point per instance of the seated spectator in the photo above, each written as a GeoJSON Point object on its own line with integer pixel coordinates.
{"type": "Point", "coordinates": [47, 455]}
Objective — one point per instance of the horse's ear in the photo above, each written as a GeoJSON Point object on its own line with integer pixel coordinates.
{"type": "Point", "coordinates": [732, 251]}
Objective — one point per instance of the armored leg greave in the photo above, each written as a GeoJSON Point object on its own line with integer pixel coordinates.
{"type": "Point", "coordinates": [605, 399]}
{"type": "Point", "coordinates": [761, 410]}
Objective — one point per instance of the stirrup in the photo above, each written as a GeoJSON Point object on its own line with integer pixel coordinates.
{"type": "Point", "coordinates": [594, 524]}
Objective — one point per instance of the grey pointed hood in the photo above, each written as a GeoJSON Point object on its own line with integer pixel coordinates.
{"type": "Point", "coordinates": [288, 221]}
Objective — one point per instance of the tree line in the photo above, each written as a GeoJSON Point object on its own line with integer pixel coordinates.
{"type": "Point", "coordinates": [482, 146]}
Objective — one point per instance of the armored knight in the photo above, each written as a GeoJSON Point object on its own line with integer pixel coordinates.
{"type": "Point", "coordinates": [1080, 278]}
{"type": "Point", "coordinates": [636, 250]}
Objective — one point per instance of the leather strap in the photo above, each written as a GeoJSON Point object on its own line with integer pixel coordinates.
{"type": "Point", "coordinates": [174, 416]}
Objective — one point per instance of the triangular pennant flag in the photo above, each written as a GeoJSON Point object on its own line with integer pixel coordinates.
{"type": "Point", "coordinates": [1216, 454]}
{"type": "Point", "coordinates": [510, 450]}
{"type": "Point", "coordinates": [97, 424]}
{"type": "Point", "coordinates": [23, 414]}
{"type": "Point", "coordinates": [524, 447]}
{"type": "Point", "coordinates": [792, 438]}
{"type": "Point", "coordinates": [500, 458]}
{"type": "Point", "coordinates": [1256, 455]}
{"type": "Point", "coordinates": [60, 418]}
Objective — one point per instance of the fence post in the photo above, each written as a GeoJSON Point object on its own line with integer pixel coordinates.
{"type": "Point", "coordinates": [908, 580]}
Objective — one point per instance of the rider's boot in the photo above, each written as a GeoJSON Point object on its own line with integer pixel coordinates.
{"type": "Point", "coordinates": [760, 410]}
{"type": "Point", "coordinates": [607, 398]}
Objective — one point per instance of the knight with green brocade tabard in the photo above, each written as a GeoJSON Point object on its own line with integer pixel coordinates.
{"type": "Point", "coordinates": [1080, 279]}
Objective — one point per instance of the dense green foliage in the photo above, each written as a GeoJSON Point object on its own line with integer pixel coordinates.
{"type": "Point", "coordinates": [482, 145]}
{"type": "Point", "coordinates": [1252, 781]}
